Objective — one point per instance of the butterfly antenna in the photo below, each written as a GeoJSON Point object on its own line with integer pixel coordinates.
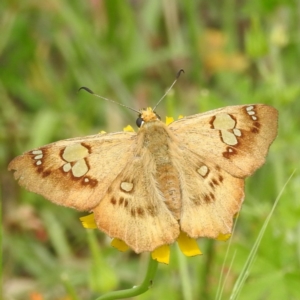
{"type": "Point", "coordinates": [106, 99]}
{"type": "Point", "coordinates": [177, 76]}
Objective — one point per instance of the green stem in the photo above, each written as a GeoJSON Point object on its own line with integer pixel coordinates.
{"type": "Point", "coordinates": [207, 269]}
{"type": "Point", "coordinates": [137, 290]}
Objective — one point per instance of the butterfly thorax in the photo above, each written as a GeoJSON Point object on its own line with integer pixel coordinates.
{"type": "Point", "coordinates": [158, 143]}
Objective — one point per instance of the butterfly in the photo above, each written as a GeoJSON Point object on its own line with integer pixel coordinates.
{"type": "Point", "coordinates": [145, 187]}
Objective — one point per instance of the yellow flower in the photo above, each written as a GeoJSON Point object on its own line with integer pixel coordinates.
{"type": "Point", "coordinates": [187, 245]}
{"type": "Point", "coordinates": [88, 221]}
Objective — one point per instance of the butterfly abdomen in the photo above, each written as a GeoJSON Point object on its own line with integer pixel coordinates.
{"type": "Point", "coordinates": [156, 139]}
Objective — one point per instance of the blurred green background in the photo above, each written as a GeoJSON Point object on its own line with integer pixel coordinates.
{"type": "Point", "coordinates": [233, 52]}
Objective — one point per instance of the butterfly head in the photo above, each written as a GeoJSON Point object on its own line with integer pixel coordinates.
{"type": "Point", "coordinates": [146, 115]}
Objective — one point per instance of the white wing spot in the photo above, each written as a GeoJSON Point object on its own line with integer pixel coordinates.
{"type": "Point", "coordinates": [38, 156]}
{"type": "Point", "coordinates": [251, 112]}
{"type": "Point", "coordinates": [237, 132]}
{"type": "Point", "coordinates": [86, 179]}
{"type": "Point", "coordinates": [80, 168]}
{"type": "Point", "coordinates": [37, 152]}
{"type": "Point", "coordinates": [67, 167]}
{"type": "Point", "coordinates": [75, 152]}
{"type": "Point", "coordinates": [230, 150]}
{"type": "Point", "coordinates": [203, 170]}
{"type": "Point", "coordinates": [229, 138]}
{"type": "Point", "coordinates": [224, 123]}
{"type": "Point", "coordinates": [126, 186]}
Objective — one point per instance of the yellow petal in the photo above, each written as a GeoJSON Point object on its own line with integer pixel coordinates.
{"type": "Point", "coordinates": [187, 245]}
{"type": "Point", "coordinates": [223, 237]}
{"type": "Point", "coordinates": [102, 131]}
{"type": "Point", "coordinates": [88, 221]}
{"type": "Point", "coordinates": [162, 254]}
{"type": "Point", "coordinates": [128, 128]}
{"type": "Point", "coordinates": [180, 117]}
{"type": "Point", "coordinates": [119, 244]}
{"type": "Point", "coordinates": [169, 120]}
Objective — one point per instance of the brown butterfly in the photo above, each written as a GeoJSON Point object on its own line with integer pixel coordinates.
{"type": "Point", "coordinates": [145, 187]}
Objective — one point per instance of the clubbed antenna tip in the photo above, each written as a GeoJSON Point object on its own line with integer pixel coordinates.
{"type": "Point", "coordinates": [177, 76]}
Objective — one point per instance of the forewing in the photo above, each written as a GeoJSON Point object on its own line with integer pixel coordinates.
{"type": "Point", "coordinates": [235, 138]}
{"type": "Point", "coordinates": [133, 209]}
{"type": "Point", "coordinates": [75, 172]}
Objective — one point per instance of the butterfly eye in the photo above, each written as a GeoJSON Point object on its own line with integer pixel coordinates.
{"type": "Point", "coordinates": [139, 122]}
